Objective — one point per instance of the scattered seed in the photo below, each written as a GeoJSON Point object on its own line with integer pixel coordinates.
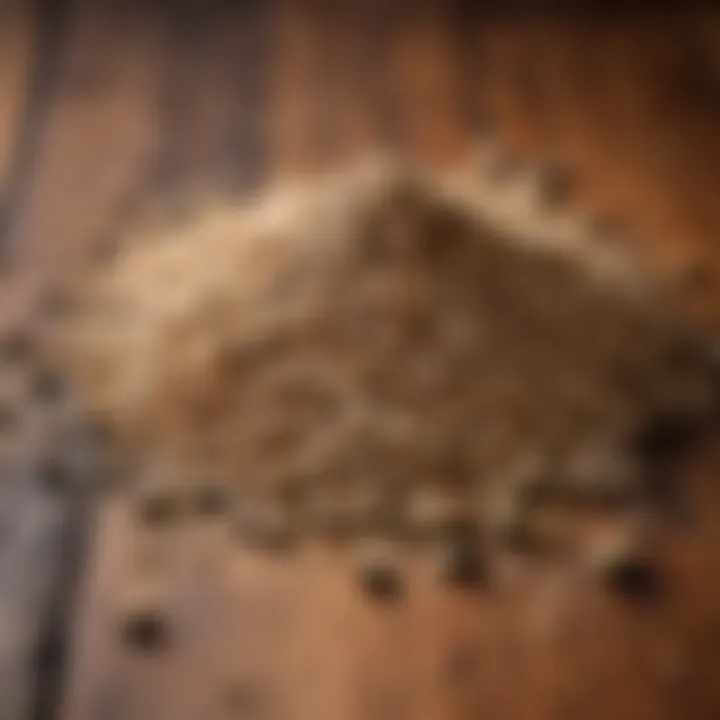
{"type": "Point", "coordinates": [664, 438]}
{"type": "Point", "coordinates": [624, 564]}
{"type": "Point", "coordinates": [634, 577]}
{"type": "Point", "coordinates": [381, 582]}
{"type": "Point", "coordinates": [145, 630]}
{"type": "Point", "coordinates": [159, 508]}
{"type": "Point", "coordinates": [378, 574]}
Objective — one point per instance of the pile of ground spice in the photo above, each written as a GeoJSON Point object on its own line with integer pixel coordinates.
{"type": "Point", "coordinates": [380, 353]}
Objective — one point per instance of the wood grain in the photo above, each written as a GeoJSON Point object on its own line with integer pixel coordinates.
{"type": "Point", "coordinates": [98, 137]}
{"type": "Point", "coordinates": [153, 101]}
{"type": "Point", "coordinates": [16, 44]}
{"type": "Point", "coordinates": [31, 520]}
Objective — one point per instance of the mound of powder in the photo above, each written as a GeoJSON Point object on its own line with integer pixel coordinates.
{"type": "Point", "coordinates": [381, 351]}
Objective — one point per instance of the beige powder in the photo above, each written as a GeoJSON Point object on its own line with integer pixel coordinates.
{"type": "Point", "coordinates": [382, 350]}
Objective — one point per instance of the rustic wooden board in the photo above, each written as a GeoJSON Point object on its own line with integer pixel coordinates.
{"type": "Point", "coordinates": [155, 100]}
{"type": "Point", "coordinates": [33, 520]}
{"type": "Point", "coordinates": [295, 639]}
{"type": "Point", "coordinates": [97, 142]}
{"type": "Point", "coordinates": [616, 102]}
{"type": "Point", "coordinates": [16, 42]}
{"type": "Point", "coordinates": [43, 528]}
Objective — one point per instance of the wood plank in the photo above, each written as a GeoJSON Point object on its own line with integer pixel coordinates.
{"type": "Point", "coordinates": [37, 534]}
{"type": "Point", "coordinates": [96, 144]}
{"type": "Point", "coordinates": [295, 113]}
{"type": "Point", "coordinates": [39, 547]}
{"type": "Point", "coordinates": [293, 639]}
{"type": "Point", "coordinates": [17, 61]}
{"type": "Point", "coordinates": [623, 104]}
{"type": "Point", "coordinates": [332, 97]}
{"type": "Point", "coordinates": [213, 61]}
{"type": "Point", "coordinates": [16, 47]}
{"type": "Point", "coordinates": [43, 530]}
{"type": "Point", "coordinates": [49, 23]}
{"type": "Point", "coordinates": [340, 88]}
{"type": "Point", "coordinates": [222, 91]}
{"type": "Point", "coordinates": [425, 84]}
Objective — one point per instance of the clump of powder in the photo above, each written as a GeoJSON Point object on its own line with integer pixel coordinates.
{"type": "Point", "coordinates": [382, 351]}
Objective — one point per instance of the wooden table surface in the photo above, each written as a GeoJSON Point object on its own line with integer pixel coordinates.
{"type": "Point", "coordinates": [108, 108]}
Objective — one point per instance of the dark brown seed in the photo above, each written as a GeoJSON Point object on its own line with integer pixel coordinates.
{"type": "Point", "coordinates": [634, 576]}
{"type": "Point", "coordinates": [381, 582]}
{"type": "Point", "coordinates": [664, 438]}
{"type": "Point", "coordinates": [378, 573]}
{"type": "Point", "coordinates": [145, 630]}
{"type": "Point", "coordinates": [158, 508]}
{"type": "Point", "coordinates": [623, 561]}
